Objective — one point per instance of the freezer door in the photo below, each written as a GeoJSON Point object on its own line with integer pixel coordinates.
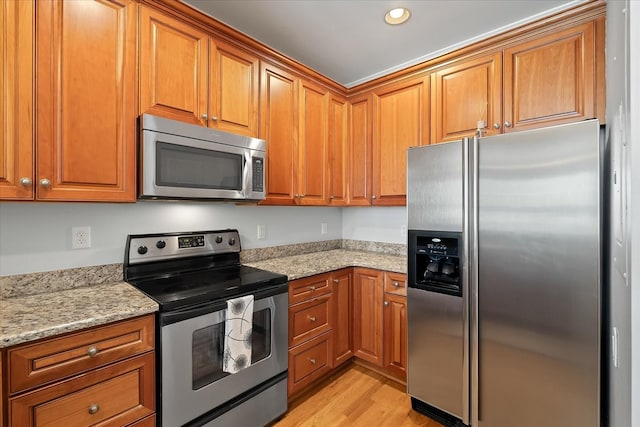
{"type": "Point", "coordinates": [434, 187]}
{"type": "Point", "coordinates": [539, 278]}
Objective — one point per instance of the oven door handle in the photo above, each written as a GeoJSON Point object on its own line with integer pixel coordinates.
{"type": "Point", "coordinates": [169, 317]}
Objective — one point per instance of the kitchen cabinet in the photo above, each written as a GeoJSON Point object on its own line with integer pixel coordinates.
{"type": "Point", "coordinates": [547, 80]}
{"type": "Point", "coordinates": [189, 76]}
{"type": "Point", "coordinates": [395, 324]}
{"type": "Point", "coordinates": [310, 330]}
{"type": "Point", "coordinates": [84, 147]}
{"type": "Point", "coordinates": [278, 126]}
{"type": "Point", "coordinates": [16, 100]}
{"type": "Point", "coordinates": [342, 315]}
{"type": "Point", "coordinates": [400, 121]}
{"type": "Point", "coordinates": [464, 93]}
{"type": "Point", "coordinates": [359, 150]}
{"type": "Point", "coordinates": [99, 375]}
{"type": "Point", "coordinates": [380, 320]}
{"type": "Point", "coordinates": [338, 135]}
{"type": "Point", "coordinates": [313, 151]}
{"type": "Point", "coordinates": [367, 315]}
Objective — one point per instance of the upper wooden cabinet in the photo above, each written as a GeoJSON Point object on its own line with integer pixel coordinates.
{"type": "Point", "coordinates": [85, 97]}
{"type": "Point", "coordinates": [547, 80]}
{"type": "Point", "coordinates": [400, 121]}
{"type": "Point", "coordinates": [313, 151]}
{"type": "Point", "coordinates": [278, 126]}
{"type": "Point", "coordinates": [359, 151]}
{"type": "Point", "coordinates": [338, 150]}
{"type": "Point", "coordinates": [552, 79]}
{"type": "Point", "coordinates": [16, 100]}
{"type": "Point", "coordinates": [188, 76]}
{"type": "Point", "coordinates": [465, 93]}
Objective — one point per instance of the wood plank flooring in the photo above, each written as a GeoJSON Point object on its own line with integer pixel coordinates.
{"type": "Point", "coordinates": [354, 397]}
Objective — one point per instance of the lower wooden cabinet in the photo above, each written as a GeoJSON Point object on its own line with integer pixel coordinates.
{"type": "Point", "coordinates": [367, 314]}
{"type": "Point", "coordinates": [395, 334]}
{"type": "Point", "coordinates": [342, 314]}
{"type": "Point", "coordinates": [309, 361]}
{"type": "Point", "coordinates": [99, 376]}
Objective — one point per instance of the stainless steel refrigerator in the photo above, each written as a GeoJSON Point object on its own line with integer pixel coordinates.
{"type": "Point", "coordinates": [504, 269]}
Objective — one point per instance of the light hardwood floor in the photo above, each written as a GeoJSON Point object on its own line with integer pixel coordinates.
{"type": "Point", "coordinates": [354, 396]}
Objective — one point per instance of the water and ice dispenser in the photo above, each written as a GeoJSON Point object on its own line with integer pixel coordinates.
{"type": "Point", "coordinates": [435, 261]}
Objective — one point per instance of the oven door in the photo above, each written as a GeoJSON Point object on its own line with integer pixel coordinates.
{"type": "Point", "coordinates": [192, 380]}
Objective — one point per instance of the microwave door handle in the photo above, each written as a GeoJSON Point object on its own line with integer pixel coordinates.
{"type": "Point", "coordinates": [247, 174]}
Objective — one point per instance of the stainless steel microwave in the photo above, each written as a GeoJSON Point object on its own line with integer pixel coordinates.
{"type": "Point", "coordinates": [184, 161]}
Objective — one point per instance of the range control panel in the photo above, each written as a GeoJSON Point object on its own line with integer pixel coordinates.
{"type": "Point", "coordinates": [157, 247]}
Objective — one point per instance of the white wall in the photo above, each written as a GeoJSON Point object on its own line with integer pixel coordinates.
{"type": "Point", "coordinates": [37, 236]}
{"type": "Point", "coordinates": [379, 224]}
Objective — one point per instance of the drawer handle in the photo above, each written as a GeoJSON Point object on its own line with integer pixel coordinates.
{"type": "Point", "coordinates": [396, 284]}
{"type": "Point", "coordinates": [93, 350]}
{"type": "Point", "coordinates": [336, 281]}
{"type": "Point", "coordinates": [312, 318]}
{"type": "Point", "coordinates": [312, 287]}
{"type": "Point", "coordinates": [312, 361]}
{"type": "Point", "coordinates": [94, 408]}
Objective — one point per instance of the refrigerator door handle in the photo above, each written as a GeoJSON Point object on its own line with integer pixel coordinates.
{"type": "Point", "coordinates": [466, 355]}
{"type": "Point", "coordinates": [472, 201]}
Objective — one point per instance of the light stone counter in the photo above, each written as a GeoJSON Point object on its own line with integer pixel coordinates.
{"type": "Point", "coordinates": [31, 317]}
{"type": "Point", "coordinates": [298, 266]}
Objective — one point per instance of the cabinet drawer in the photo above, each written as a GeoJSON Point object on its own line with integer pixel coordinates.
{"type": "Point", "coordinates": [309, 361]}
{"type": "Point", "coordinates": [395, 283]}
{"type": "Point", "coordinates": [308, 320]}
{"type": "Point", "coordinates": [35, 364]}
{"type": "Point", "coordinates": [115, 395]}
{"type": "Point", "coordinates": [310, 287]}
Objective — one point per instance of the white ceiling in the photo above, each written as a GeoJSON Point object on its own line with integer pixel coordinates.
{"type": "Point", "coordinates": [348, 40]}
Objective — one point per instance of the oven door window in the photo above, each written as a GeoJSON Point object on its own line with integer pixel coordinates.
{"type": "Point", "coordinates": [191, 167]}
{"type": "Point", "coordinates": [208, 348]}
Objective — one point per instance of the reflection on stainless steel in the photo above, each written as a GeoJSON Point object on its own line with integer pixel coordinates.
{"type": "Point", "coordinates": [531, 233]}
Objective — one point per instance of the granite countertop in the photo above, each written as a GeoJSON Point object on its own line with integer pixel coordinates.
{"type": "Point", "coordinates": [298, 266]}
{"type": "Point", "coordinates": [41, 305]}
{"type": "Point", "coordinates": [31, 317]}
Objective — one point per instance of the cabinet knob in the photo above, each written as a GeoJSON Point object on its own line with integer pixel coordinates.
{"type": "Point", "coordinates": [94, 408]}
{"type": "Point", "coordinates": [302, 195]}
{"type": "Point", "coordinates": [373, 197]}
{"type": "Point", "coordinates": [93, 350]}
{"type": "Point", "coordinates": [44, 182]}
{"type": "Point", "coordinates": [396, 284]}
{"type": "Point", "coordinates": [204, 116]}
{"type": "Point", "coordinates": [312, 318]}
{"type": "Point", "coordinates": [331, 197]}
{"type": "Point", "coordinates": [312, 361]}
{"type": "Point", "coordinates": [312, 287]}
{"type": "Point", "coordinates": [507, 124]}
{"type": "Point", "coordinates": [336, 281]}
{"type": "Point", "coordinates": [26, 181]}
{"type": "Point", "coordinates": [496, 125]}
{"type": "Point", "coordinates": [386, 303]}
{"type": "Point", "coordinates": [214, 118]}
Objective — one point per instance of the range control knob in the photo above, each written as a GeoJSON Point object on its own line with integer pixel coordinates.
{"type": "Point", "coordinates": [160, 244]}
{"type": "Point", "coordinates": [142, 250]}
{"type": "Point", "coordinates": [232, 241]}
{"type": "Point", "coordinates": [218, 239]}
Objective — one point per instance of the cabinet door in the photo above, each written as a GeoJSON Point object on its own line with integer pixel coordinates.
{"type": "Point", "coordinates": [551, 80]}
{"type": "Point", "coordinates": [360, 151]}
{"type": "Point", "coordinates": [395, 334]}
{"type": "Point", "coordinates": [367, 315]}
{"type": "Point", "coordinates": [313, 151]}
{"type": "Point", "coordinates": [278, 126]}
{"type": "Point", "coordinates": [342, 315]}
{"type": "Point", "coordinates": [464, 93]}
{"type": "Point", "coordinates": [86, 115]}
{"type": "Point", "coordinates": [400, 118]}
{"type": "Point", "coordinates": [233, 90]}
{"type": "Point", "coordinates": [173, 68]}
{"type": "Point", "coordinates": [16, 100]}
{"type": "Point", "coordinates": [338, 149]}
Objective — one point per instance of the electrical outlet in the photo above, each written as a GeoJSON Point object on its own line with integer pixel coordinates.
{"type": "Point", "coordinates": [261, 232]}
{"type": "Point", "coordinates": [323, 228]}
{"type": "Point", "coordinates": [80, 237]}
{"type": "Point", "coordinates": [403, 230]}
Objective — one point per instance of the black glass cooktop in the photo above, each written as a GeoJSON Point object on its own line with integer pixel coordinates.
{"type": "Point", "coordinates": [192, 288]}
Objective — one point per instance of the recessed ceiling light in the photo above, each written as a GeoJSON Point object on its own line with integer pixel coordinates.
{"type": "Point", "coordinates": [397, 16]}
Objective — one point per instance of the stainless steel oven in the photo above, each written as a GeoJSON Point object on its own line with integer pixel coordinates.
{"type": "Point", "coordinates": [192, 276]}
